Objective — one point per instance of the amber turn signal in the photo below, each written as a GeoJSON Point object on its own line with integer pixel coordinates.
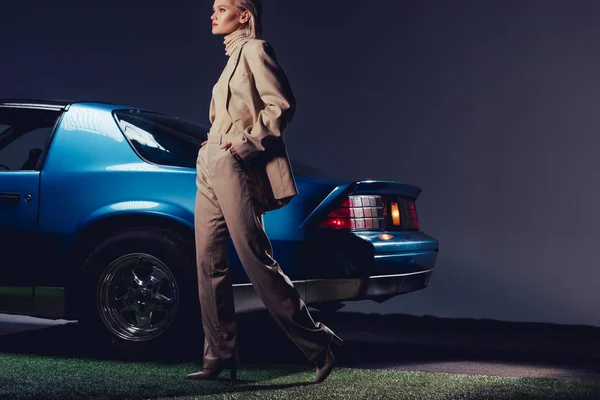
{"type": "Point", "coordinates": [395, 214]}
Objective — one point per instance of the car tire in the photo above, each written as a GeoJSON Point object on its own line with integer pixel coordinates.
{"type": "Point", "coordinates": [139, 292]}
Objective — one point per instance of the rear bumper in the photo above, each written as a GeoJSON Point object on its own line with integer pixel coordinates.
{"type": "Point", "coordinates": [375, 287]}
{"type": "Point", "coordinates": [379, 288]}
{"type": "Point", "coordinates": [401, 252]}
{"type": "Point", "coordinates": [358, 266]}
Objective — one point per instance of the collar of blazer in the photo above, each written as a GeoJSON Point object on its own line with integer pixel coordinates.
{"type": "Point", "coordinates": [236, 59]}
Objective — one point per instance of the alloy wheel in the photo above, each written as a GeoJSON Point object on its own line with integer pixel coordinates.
{"type": "Point", "coordinates": [137, 297]}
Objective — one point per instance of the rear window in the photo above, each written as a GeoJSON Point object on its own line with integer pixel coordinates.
{"type": "Point", "coordinates": [161, 139]}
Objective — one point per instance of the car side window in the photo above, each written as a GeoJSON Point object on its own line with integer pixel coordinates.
{"type": "Point", "coordinates": [24, 135]}
{"type": "Point", "coordinates": [17, 155]}
{"type": "Point", "coordinates": [161, 139]}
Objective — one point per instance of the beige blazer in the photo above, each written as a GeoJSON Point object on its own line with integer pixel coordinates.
{"type": "Point", "coordinates": [261, 104]}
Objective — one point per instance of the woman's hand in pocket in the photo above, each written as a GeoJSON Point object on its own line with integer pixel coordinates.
{"type": "Point", "coordinates": [235, 154]}
{"type": "Point", "coordinates": [227, 145]}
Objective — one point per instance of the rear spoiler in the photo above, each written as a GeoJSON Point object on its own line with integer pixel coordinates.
{"type": "Point", "coordinates": [341, 192]}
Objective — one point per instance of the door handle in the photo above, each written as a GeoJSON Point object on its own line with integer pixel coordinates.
{"type": "Point", "coordinates": [11, 199]}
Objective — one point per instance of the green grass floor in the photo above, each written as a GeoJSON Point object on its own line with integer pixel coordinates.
{"type": "Point", "coordinates": [29, 377]}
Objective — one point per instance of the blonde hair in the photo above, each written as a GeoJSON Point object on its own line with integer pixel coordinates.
{"type": "Point", "coordinates": [254, 7]}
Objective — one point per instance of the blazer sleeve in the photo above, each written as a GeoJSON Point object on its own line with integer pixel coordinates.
{"type": "Point", "coordinates": [276, 94]}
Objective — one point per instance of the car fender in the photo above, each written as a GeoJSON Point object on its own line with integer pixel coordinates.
{"type": "Point", "coordinates": [167, 210]}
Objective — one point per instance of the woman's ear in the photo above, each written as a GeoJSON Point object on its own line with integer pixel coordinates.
{"type": "Point", "coordinates": [244, 17]}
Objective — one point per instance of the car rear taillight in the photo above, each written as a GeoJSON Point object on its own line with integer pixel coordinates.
{"type": "Point", "coordinates": [357, 213]}
{"type": "Point", "coordinates": [378, 213]}
{"type": "Point", "coordinates": [413, 219]}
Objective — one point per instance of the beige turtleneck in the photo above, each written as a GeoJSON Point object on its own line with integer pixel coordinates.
{"type": "Point", "coordinates": [233, 40]}
{"type": "Point", "coordinates": [222, 123]}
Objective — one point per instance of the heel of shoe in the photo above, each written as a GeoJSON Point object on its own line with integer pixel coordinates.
{"type": "Point", "coordinates": [327, 362]}
{"type": "Point", "coordinates": [233, 375]}
{"type": "Point", "coordinates": [335, 339]}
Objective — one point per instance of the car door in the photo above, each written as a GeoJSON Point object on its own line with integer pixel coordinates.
{"type": "Point", "coordinates": [24, 136]}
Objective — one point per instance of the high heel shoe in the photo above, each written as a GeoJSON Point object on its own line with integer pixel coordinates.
{"type": "Point", "coordinates": [211, 374]}
{"type": "Point", "coordinates": [325, 364]}
{"type": "Point", "coordinates": [327, 361]}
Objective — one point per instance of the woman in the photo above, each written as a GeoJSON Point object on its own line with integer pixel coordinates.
{"type": "Point", "coordinates": [243, 171]}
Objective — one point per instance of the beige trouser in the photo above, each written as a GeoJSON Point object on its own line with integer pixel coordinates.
{"type": "Point", "coordinates": [224, 207]}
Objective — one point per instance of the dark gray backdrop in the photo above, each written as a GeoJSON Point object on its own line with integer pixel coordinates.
{"type": "Point", "coordinates": [489, 106]}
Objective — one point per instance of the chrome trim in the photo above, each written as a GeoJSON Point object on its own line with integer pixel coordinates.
{"type": "Point", "coordinates": [35, 103]}
{"type": "Point", "coordinates": [47, 107]}
{"type": "Point", "coordinates": [399, 275]}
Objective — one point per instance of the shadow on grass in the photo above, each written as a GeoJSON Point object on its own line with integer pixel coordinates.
{"type": "Point", "coordinates": [265, 345]}
{"type": "Point", "coordinates": [371, 340]}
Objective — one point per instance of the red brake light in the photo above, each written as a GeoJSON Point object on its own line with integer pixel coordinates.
{"type": "Point", "coordinates": [337, 223]}
{"type": "Point", "coordinates": [413, 219]}
{"type": "Point", "coordinates": [357, 213]}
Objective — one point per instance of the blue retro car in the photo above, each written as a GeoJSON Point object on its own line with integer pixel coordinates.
{"type": "Point", "coordinates": [96, 225]}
